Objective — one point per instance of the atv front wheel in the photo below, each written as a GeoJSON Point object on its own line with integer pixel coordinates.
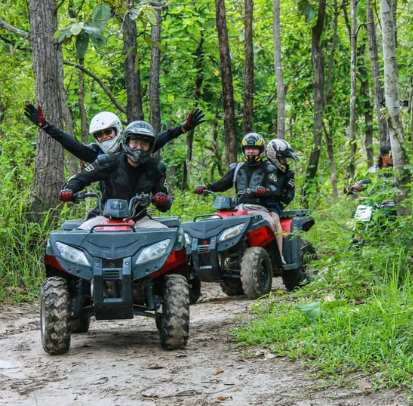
{"type": "Point", "coordinates": [294, 277]}
{"type": "Point", "coordinates": [232, 287]}
{"type": "Point", "coordinates": [256, 272]}
{"type": "Point", "coordinates": [173, 323]}
{"type": "Point", "coordinates": [55, 316]}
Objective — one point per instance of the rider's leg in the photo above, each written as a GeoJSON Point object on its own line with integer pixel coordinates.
{"type": "Point", "coordinates": [147, 222]}
{"type": "Point", "coordinates": [87, 225]}
{"type": "Point", "coordinates": [278, 232]}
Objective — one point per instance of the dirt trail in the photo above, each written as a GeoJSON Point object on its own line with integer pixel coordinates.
{"type": "Point", "coordinates": [122, 363]}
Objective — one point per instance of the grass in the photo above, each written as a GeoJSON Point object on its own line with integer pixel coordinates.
{"type": "Point", "coordinates": [357, 314]}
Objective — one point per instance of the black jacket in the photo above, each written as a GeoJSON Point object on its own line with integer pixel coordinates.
{"type": "Point", "coordinates": [89, 153]}
{"type": "Point", "coordinates": [122, 181]}
{"type": "Point", "coordinates": [279, 185]}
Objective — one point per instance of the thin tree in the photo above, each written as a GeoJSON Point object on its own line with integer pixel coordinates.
{"type": "Point", "coordinates": [227, 84]}
{"type": "Point", "coordinates": [378, 85]}
{"type": "Point", "coordinates": [278, 70]}
{"type": "Point", "coordinates": [249, 69]}
{"type": "Point", "coordinates": [353, 88]}
{"type": "Point", "coordinates": [391, 92]}
{"type": "Point", "coordinates": [318, 63]}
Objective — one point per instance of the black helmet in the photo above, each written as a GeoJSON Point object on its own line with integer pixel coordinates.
{"type": "Point", "coordinates": [253, 140]}
{"type": "Point", "coordinates": [138, 130]}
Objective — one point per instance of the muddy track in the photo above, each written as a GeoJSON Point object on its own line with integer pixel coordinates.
{"type": "Point", "coordinates": [122, 363]}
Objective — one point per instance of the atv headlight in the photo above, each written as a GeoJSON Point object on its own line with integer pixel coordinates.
{"type": "Point", "coordinates": [188, 240]}
{"type": "Point", "coordinates": [231, 232]}
{"type": "Point", "coordinates": [72, 254]}
{"type": "Point", "coordinates": [153, 252]}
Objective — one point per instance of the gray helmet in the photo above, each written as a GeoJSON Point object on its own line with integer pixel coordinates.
{"type": "Point", "coordinates": [138, 130]}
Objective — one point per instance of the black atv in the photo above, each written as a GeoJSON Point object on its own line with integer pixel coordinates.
{"type": "Point", "coordinates": [239, 250]}
{"type": "Point", "coordinates": [115, 271]}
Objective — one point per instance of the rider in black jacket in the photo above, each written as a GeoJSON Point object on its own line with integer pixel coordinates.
{"type": "Point", "coordinates": [269, 184]}
{"type": "Point", "coordinates": [126, 174]}
{"type": "Point", "coordinates": [102, 123]}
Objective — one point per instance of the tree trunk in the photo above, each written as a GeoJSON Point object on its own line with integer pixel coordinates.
{"type": "Point", "coordinates": [249, 69]}
{"type": "Point", "coordinates": [154, 98]}
{"type": "Point", "coordinates": [190, 135]}
{"type": "Point", "coordinates": [318, 63]}
{"type": "Point", "coordinates": [395, 127]}
{"type": "Point", "coordinates": [329, 138]}
{"type": "Point", "coordinates": [227, 85]}
{"type": "Point", "coordinates": [134, 110]}
{"type": "Point", "coordinates": [47, 60]}
{"type": "Point", "coordinates": [367, 107]}
{"type": "Point", "coordinates": [378, 85]}
{"type": "Point", "coordinates": [278, 70]}
{"type": "Point", "coordinates": [353, 89]}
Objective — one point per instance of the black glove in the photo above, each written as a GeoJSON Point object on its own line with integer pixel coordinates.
{"type": "Point", "coordinates": [35, 115]}
{"type": "Point", "coordinates": [160, 199]}
{"type": "Point", "coordinates": [195, 118]}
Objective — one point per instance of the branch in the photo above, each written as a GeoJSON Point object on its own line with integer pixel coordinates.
{"type": "Point", "coordinates": [102, 85]}
{"type": "Point", "coordinates": [14, 30]}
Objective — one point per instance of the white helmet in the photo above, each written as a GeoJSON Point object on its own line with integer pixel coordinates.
{"type": "Point", "coordinates": [278, 148]}
{"type": "Point", "coordinates": [104, 120]}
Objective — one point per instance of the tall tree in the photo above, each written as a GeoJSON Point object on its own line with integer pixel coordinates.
{"type": "Point", "coordinates": [249, 69]}
{"type": "Point", "coordinates": [154, 97]}
{"type": "Point", "coordinates": [395, 126]}
{"type": "Point", "coordinates": [278, 70]}
{"type": "Point", "coordinates": [353, 88]}
{"type": "Point", "coordinates": [227, 84]}
{"type": "Point", "coordinates": [47, 60]}
{"type": "Point", "coordinates": [378, 85]}
{"type": "Point", "coordinates": [318, 64]}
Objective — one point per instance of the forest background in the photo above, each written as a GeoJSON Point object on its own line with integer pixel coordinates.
{"type": "Point", "coordinates": [332, 78]}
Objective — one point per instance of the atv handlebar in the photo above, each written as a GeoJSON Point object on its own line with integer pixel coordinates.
{"type": "Point", "coordinates": [82, 196]}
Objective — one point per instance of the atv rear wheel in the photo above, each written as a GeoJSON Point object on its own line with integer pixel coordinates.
{"type": "Point", "coordinates": [294, 277]}
{"type": "Point", "coordinates": [194, 289]}
{"type": "Point", "coordinates": [173, 323]}
{"type": "Point", "coordinates": [55, 316]}
{"type": "Point", "coordinates": [232, 287]}
{"type": "Point", "coordinates": [256, 272]}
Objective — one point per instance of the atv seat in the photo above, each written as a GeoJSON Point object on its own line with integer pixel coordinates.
{"type": "Point", "coordinates": [294, 213]}
{"type": "Point", "coordinates": [72, 224]}
{"type": "Point", "coordinates": [168, 221]}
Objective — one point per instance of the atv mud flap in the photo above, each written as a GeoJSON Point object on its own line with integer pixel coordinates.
{"type": "Point", "coordinates": [109, 308]}
{"type": "Point", "coordinates": [291, 252]}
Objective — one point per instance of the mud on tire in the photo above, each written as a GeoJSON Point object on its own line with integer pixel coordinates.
{"type": "Point", "coordinates": [256, 272]}
{"type": "Point", "coordinates": [293, 278]}
{"type": "Point", "coordinates": [55, 316]}
{"type": "Point", "coordinates": [173, 324]}
{"type": "Point", "coordinates": [232, 287]}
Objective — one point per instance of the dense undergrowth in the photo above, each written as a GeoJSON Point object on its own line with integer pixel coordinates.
{"type": "Point", "coordinates": [356, 314]}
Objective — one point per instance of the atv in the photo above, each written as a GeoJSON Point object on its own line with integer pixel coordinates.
{"type": "Point", "coordinates": [239, 250]}
{"type": "Point", "coordinates": [115, 271]}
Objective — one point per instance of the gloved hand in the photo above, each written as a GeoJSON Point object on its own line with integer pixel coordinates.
{"type": "Point", "coordinates": [200, 188]}
{"type": "Point", "coordinates": [195, 118]}
{"type": "Point", "coordinates": [66, 195]}
{"type": "Point", "coordinates": [35, 115]}
{"type": "Point", "coordinates": [161, 199]}
{"type": "Point", "coordinates": [260, 191]}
